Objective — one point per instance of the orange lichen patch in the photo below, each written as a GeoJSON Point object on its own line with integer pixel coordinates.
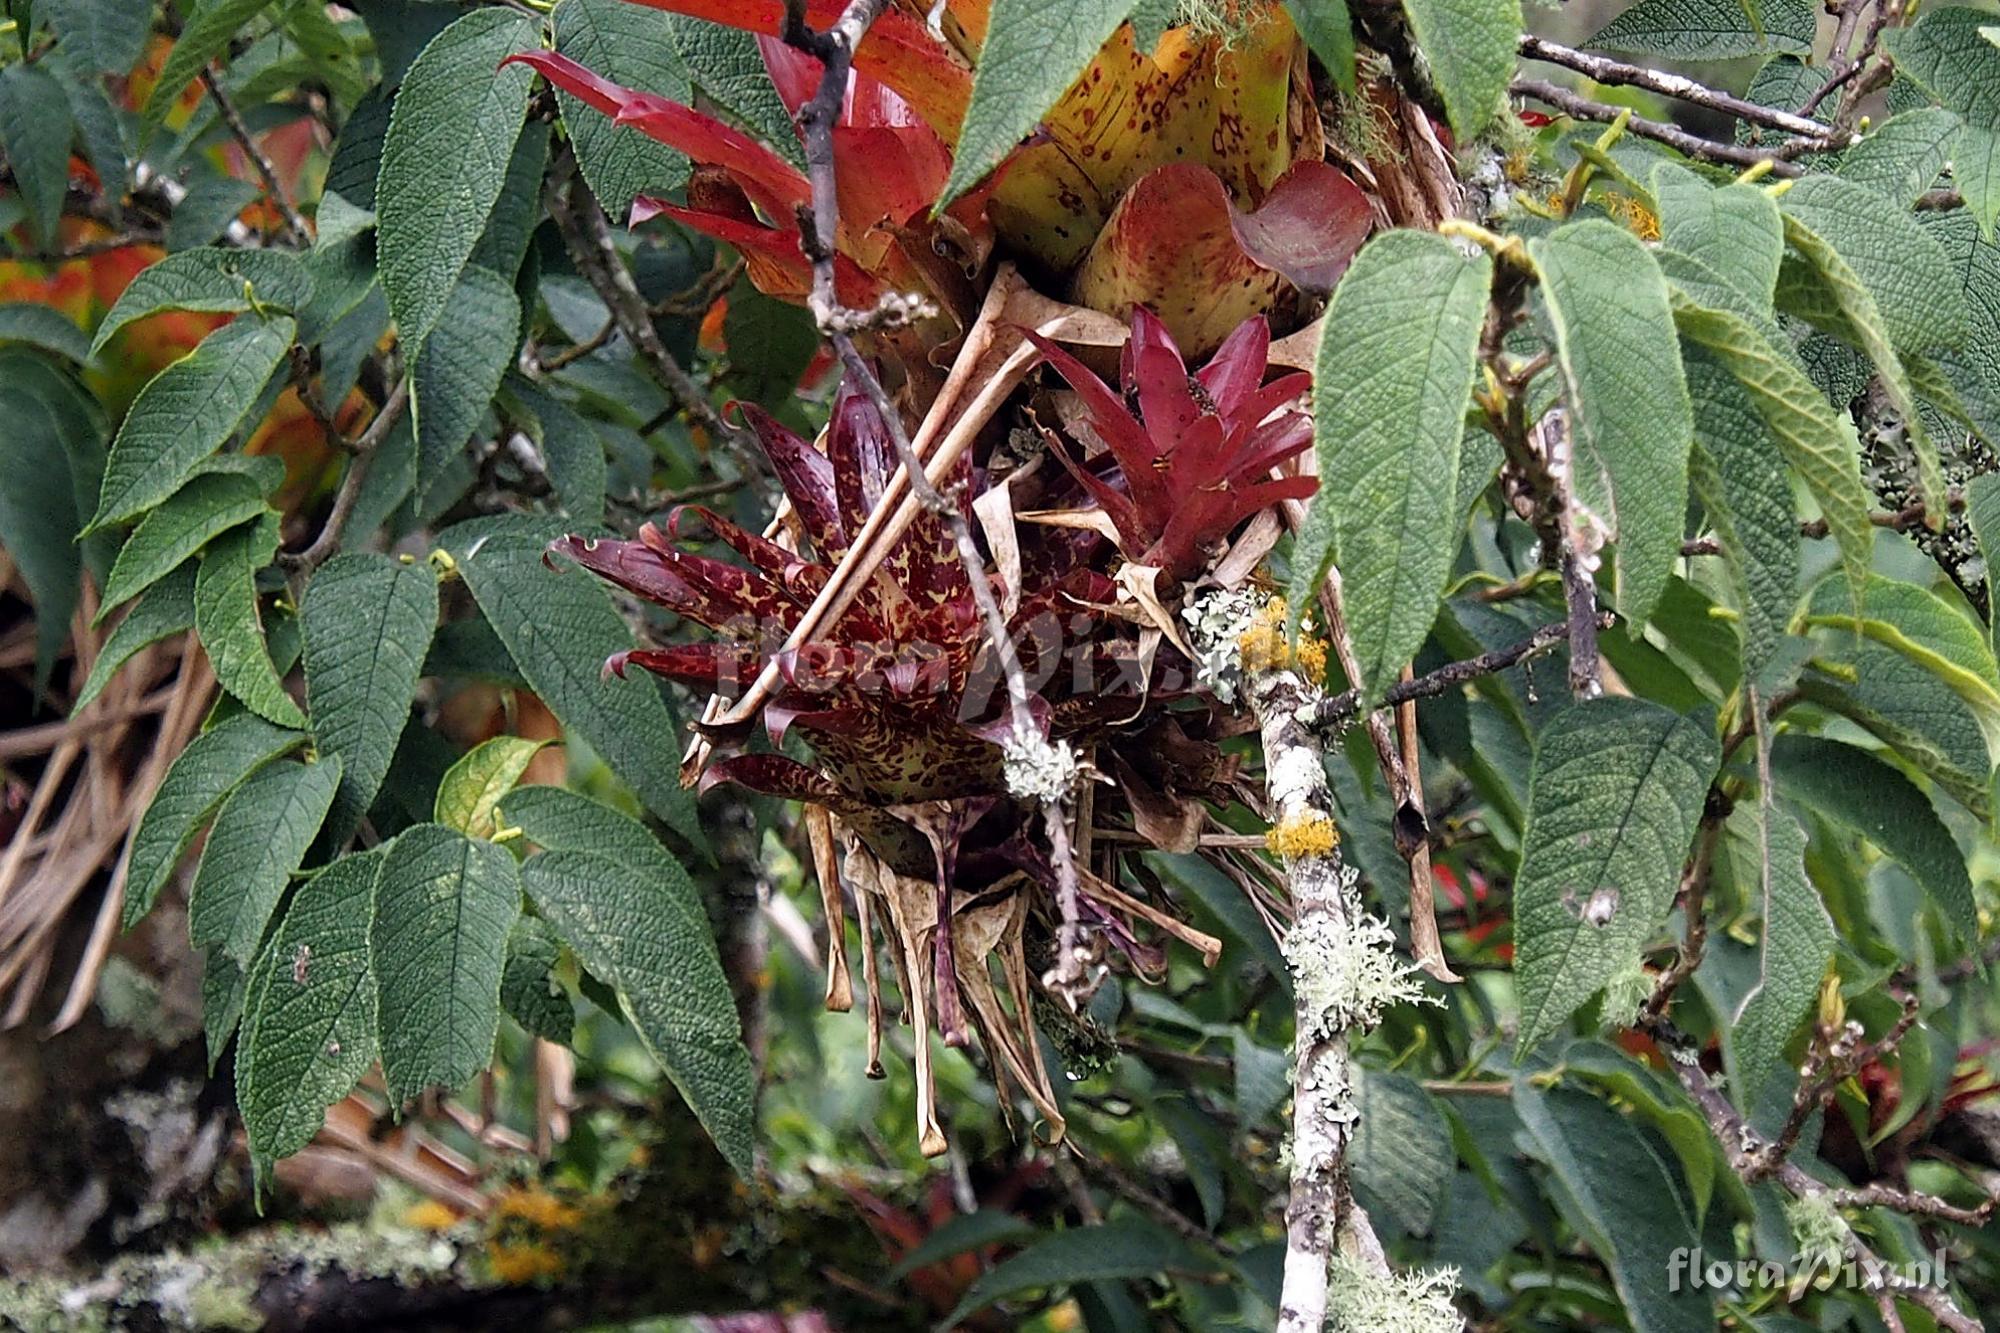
{"type": "Point", "coordinates": [1266, 647]}
{"type": "Point", "coordinates": [1311, 655]}
{"type": "Point", "coordinates": [537, 1207]}
{"type": "Point", "coordinates": [430, 1215]}
{"type": "Point", "coordinates": [1303, 835]}
{"type": "Point", "coordinates": [517, 1263]}
{"type": "Point", "coordinates": [1633, 216]}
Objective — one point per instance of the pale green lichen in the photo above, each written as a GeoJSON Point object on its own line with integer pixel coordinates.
{"type": "Point", "coordinates": [1623, 995]}
{"type": "Point", "coordinates": [1216, 626]}
{"type": "Point", "coordinates": [1819, 1231]}
{"type": "Point", "coordinates": [1038, 769]}
{"type": "Point", "coordinates": [1345, 976]}
{"type": "Point", "coordinates": [1360, 1300]}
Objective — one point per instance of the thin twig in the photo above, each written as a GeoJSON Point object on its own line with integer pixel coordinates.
{"type": "Point", "coordinates": [1671, 85]}
{"type": "Point", "coordinates": [1341, 707]}
{"type": "Point", "coordinates": [1578, 107]}
{"type": "Point", "coordinates": [295, 224]}
{"type": "Point", "coordinates": [349, 495]}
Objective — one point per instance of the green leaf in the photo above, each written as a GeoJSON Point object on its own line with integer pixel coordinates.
{"type": "Point", "coordinates": [1033, 53]}
{"type": "Point", "coordinates": [107, 36]}
{"type": "Point", "coordinates": [460, 369]}
{"type": "Point", "coordinates": [1913, 712]}
{"type": "Point", "coordinates": [965, 1231]}
{"type": "Point", "coordinates": [1263, 1078]}
{"type": "Point", "coordinates": [1661, 1103]}
{"type": "Point", "coordinates": [1899, 265]}
{"type": "Point", "coordinates": [222, 991]}
{"type": "Point", "coordinates": [1795, 944]}
{"type": "Point", "coordinates": [1925, 629]}
{"type": "Point", "coordinates": [1402, 1151]}
{"type": "Point", "coordinates": [1630, 420]}
{"type": "Point", "coordinates": [208, 770]}
{"type": "Point", "coordinates": [1620, 1197]}
{"type": "Point", "coordinates": [1734, 230]}
{"type": "Point", "coordinates": [571, 448]}
{"type": "Point", "coordinates": [309, 1010]}
{"type": "Point", "coordinates": [205, 35]}
{"type": "Point", "coordinates": [444, 160]}
{"type": "Point", "coordinates": [1710, 29]}
{"type": "Point", "coordinates": [165, 608]}
{"type": "Point", "coordinates": [557, 820]}
{"type": "Point", "coordinates": [45, 327]}
{"type": "Point", "coordinates": [1818, 444]}
{"type": "Point", "coordinates": [1946, 55]}
{"type": "Point", "coordinates": [1905, 154]}
{"type": "Point", "coordinates": [1394, 377]}
{"type": "Point", "coordinates": [1854, 788]}
{"type": "Point", "coordinates": [186, 411]}
{"type": "Point", "coordinates": [621, 42]}
{"type": "Point", "coordinates": [210, 279]}
{"type": "Point", "coordinates": [1823, 223]}
{"type": "Point", "coordinates": [226, 619]}
{"type": "Point", "coordinates": [473, 786]}
{"type": "Point", "coordinates": [1470, 46]}
{"type": "Point", "coordinates": [209, 504]}
{"type": "Point", "coordinates": [1613, 799]}
{"type": "Point", "coordinates": [622, 927]}
{"type": "Point", "coordinates": [1328, 30]}
{"type": "Point", "coordinates": [729, 70]}
{"type": "Point", "coordinates": [444, 908]}
{"type": "Point", "coordinates": [1120, 1249]}
{"type": "Point", "coordinates": [260, 837]}
{"type": "Point", "coordinates": [1974, 369]}
{"type": "Point", "coordinates": [560, 628]}
{"type": "Point", "coordinates": [368, 621]}
{"type": "Point", "coordinates": [1982, 511]}
{"type": "Point", "coordinates": [38, 518]}
{"type": "Point", "coordinates": [214, 200]}
{"type": "Point", "coordinates": [529, 990]}
{"type": "Point", "coordinates": [35, 132]}
{"type": "Point", "coordinates": [511, 225]}
{"type": "Point", "coordinates": [1740, 479]}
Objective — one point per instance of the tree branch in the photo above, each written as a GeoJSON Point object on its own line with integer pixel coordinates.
{"type": "Point", "coordinates": [295, 224]}
{"type": "Point", "coordinates": [1579, 107]}
{"type": "Point", "coordinates": [1674, 86]}
{"type": "Point", "coordinates": [349, 495]}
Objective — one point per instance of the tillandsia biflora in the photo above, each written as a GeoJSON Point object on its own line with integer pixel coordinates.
{"type": "Point", "coordinates": [1331, 614]}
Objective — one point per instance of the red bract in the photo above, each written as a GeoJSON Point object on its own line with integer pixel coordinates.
{"type": "Point", "coordinates": [1195, 458]}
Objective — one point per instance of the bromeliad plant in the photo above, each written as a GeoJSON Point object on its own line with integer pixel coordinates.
{"type": "Point", "coordinates": [1188, 181]}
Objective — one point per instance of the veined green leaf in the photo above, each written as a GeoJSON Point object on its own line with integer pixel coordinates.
{"type": "Point", "coordinates": [1710, 29]}
{"type": "Point", "coordinates": [1394, 377]}
{"type": "Point", "coordinates": [1621, 1198]}
{"type": "Point", "coordinates": [1795, 944]}
{"type": "Point", "coordinates": [444, 907]}
{"type": "Point", "coordinates": [106, 36]}
{"type": "Point", "coordinates": [560, 627]}
{"type": "Point", "coordinates": [1613, 800]}
{"type": "Point", "coordinates": [529, 990]}
{"type": "Point", "coordinates": [1856, 789]}
{"type": "Point", "coordinates": [1734, 230]}
{"type": "Point", "coordinates": [44, 327]}
{"type": "Point", "coordinates": [1111, 1250]}
{"type": "Point", "coordinates": [165, 608]}
{"type": "Point", "coordinates": [1470, 45]}
{"type": "Point", "coordinates": [1033, 53]}
{"type": "Point", "coordinates": [1982, 511]}
{"type": "Point", "coordinates": [558, 820]}
{"type": "Point", "coordinates": [444, 159]}
{"type": "Point", "coordinates": [186, 411]}
{"type": "Point", "coordinates": [622, 928]}
{"type": "Point", "coordinates": [213, 280]}
{"type": "Point", "coordinates": [1740, 479]}
{"type": "Point", "coordinates": [571, 448]}
{"type": "Point", "coordinates": [205, 35]}
{"type": "Point", "coordinates": [623, 43]}
{"type": "Point", "coordinates": [1818, 444]}
{"type": "Point", "coordinates": [503, 244]}
{"type": "Point", "coordinates": [966, 1231]}
{"type": "Point", "coordinates": [208, 770]}
{"type": "Point", "coordinates": [35, 132]}
{"type": "Point", "coordinates": [726, 66]}
{"type": "Point", "coordinates": [473, 786]}
{"type": "Point", "coordinates": [1629, 417]}
{"type": "Point", "coordinates": [1922, 627]}
{"type": "Point", "coordinates": [367, 621]}
{"type": "Point", "coordinates": [260, 836]}
{"type": "Point", "coordinates": [1973, 370]}
{"type": "Point", "coordinates": [309, 1009]}
{"type": "Point", "coordinates": [1662, 1105]}
{"type": "Point", "coordinates": [1904, 155]}
{"type": "Point", "coordinates": [181, 525]}
{"type": "Point", "coordinates": [1401, 1152]}
{"type": "Point", "coordinates": [231, 631]}
{"type": "Point", "coordinates": [1892, 258]}
{"type": "Point", "coordinates": [460, 369]}
{"type": "Point", "coordinates": [1946, 54]}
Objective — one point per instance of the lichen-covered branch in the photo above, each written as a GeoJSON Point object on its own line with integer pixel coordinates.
{"type": "Point", "coordinates": [1344, 969]}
